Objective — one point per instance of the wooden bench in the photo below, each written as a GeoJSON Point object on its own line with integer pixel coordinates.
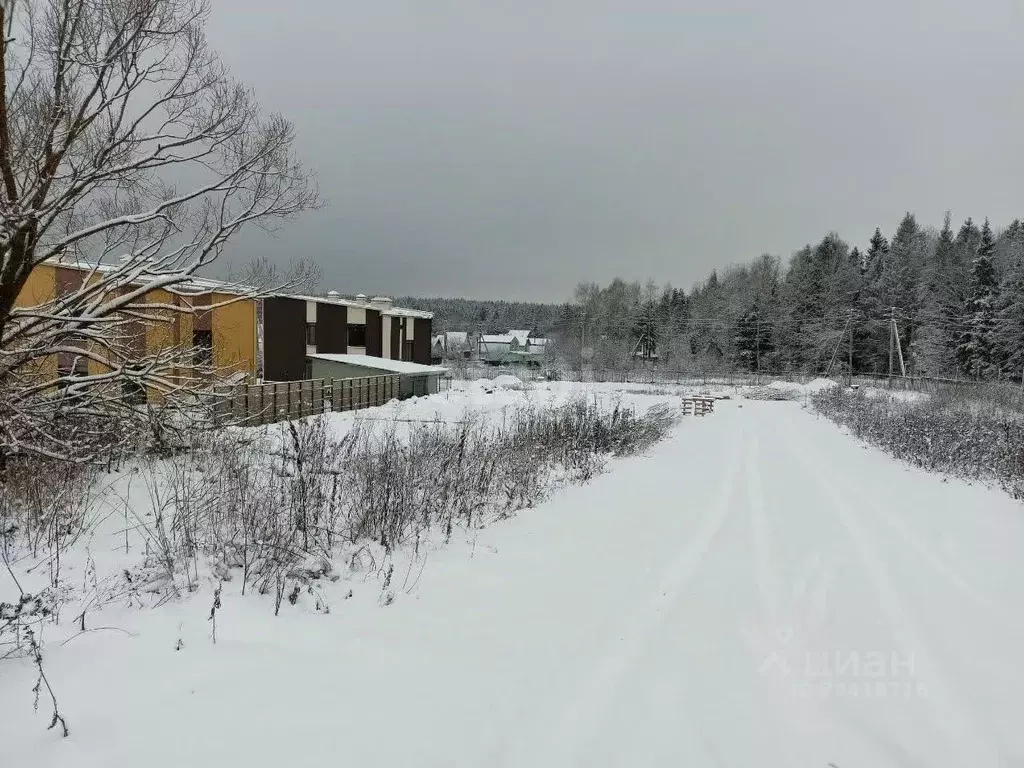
{"type": "Point", "coordinates": [698, 406]}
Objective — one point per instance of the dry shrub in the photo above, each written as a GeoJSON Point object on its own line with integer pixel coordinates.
{"type": "Point", "coordinates": [971, 438]}
{"type": "Point", "coordinates": [273, 505]}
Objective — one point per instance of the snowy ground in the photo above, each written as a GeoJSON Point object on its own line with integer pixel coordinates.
{"type": "Point", "coordinates": [682, 609]}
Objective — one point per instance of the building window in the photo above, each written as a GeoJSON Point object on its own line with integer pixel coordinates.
{"type": "Point", "coordinates": [356, 335]}
{"type": "Point", "coordinates": [407, 352]}
{"type": "Point", "coordinates": [202, 345]}
{"type": "Point", "coordinates": [310, 334]}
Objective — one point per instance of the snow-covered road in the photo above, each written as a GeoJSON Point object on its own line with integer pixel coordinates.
{"type": "Point", "coordinates": [761, 590]}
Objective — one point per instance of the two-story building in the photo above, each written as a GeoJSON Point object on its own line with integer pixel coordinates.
{"type": "Point", "coordinates": [295, 327]}
{"type": "Point", "coordinates": [215, 320]}
{"type": "Point", "coordinates": [232, 333]}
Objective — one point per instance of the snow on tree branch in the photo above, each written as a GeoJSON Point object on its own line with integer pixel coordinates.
{"type": "Point", "coordinates": [124, 143]}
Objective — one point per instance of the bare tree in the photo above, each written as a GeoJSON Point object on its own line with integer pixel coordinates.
{"type": "Point", "coordinates": [123, 144]}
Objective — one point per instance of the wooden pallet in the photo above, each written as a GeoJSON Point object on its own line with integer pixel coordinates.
{"type": "Point", "coordinates": [698, 406]}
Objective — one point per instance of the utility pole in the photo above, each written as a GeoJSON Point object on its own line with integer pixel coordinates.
{"type": "Point", "coordinates": [894, 340]}
{"type": "Point", "coordinates": [583, 341]}
{"type": "Point", "coordinates": [892, 349]}
{"type": "Point", "coordinates": [839, 342]}
{"type": "Point", "coordinates": [757, 346]}
{"type": "Point", "coordinates": [899, 349]}
{"type": "Point", "coordinates": [850, 351]}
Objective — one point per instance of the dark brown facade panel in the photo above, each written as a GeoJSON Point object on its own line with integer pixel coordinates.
{"type": "Point", "coordinates": [69, 280]}
{"type": "Point", "coordinates": [374, 333]}
{"type": "Point", "coordinates": [284, 339]}
{"type": "Point", "coordinates": [396, 339]}
{"type": "Point", "coordinates": [331, 328]}
{"type": "Point", "coordinates": [421, 341]}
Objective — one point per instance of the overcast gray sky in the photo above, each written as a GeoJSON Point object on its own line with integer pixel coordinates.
{"type": "Point", "coordinates": [511, 148]}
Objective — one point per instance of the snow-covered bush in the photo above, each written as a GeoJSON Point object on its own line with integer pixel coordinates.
{"type": "Point", "coordinates": [260, 505]}
{"type": "Point", "coordinates": [962, 436]}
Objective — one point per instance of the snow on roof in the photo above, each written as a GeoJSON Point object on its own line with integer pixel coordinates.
{"type": "Point", "coordinates": [380, 363]}
{"type": "Point", "coordinates": [406, 312]}
{"type": "Point", "coordinates": [189, 287]}
{"type": "Point", "coordinates": [506, 338]}
{"type": "Point", "coordinates": [391, 312]}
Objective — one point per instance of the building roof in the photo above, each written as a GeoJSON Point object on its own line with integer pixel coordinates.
{"type": "Point", "coordinates": [193, 285]}
{"type": "Point", "coordinates": [390, 311]}
{"type": "Point", "coordinates": [380, 363]}
{"type": "Point", "coordinates": [507, 338]}
{"type": "Point", "coordinates": [406, 312]}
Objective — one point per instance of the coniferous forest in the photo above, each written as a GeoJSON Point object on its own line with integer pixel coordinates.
{"type": "Point", "coordinates": [949, 302]}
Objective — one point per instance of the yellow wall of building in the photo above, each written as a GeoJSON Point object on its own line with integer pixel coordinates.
{"type": "Point", "coordinates": [186, 324]}
{"type": "Point", "coordinates": [166, 333]}
{"type": "Point", "coordinates": [234, 335]}
{"type": "Point", "coordinates": [233, 326]}
{"type": "Point", "coordinates": [40, 288]}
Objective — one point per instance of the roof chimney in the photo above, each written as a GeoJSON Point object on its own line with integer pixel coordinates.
{"type": "Point", "coordinates": [333, 295]}
{"type": "Point", "coordinates": [361, 298]}
{"type": "Point", "coordinates": [381, 302]}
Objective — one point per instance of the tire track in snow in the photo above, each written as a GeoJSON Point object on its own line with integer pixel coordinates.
{"type": "Point", "coordinates": [968, 740]}
{"type": "Point", "coordinates": [916, 543]}
{"type": "Point", "coordinates": [765, 560]}
{"type": "Point", "coordinates": [560, 744]}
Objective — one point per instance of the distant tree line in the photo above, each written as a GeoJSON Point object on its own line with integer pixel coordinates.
{"type": "Point", "coordinates": [948, 302]}
{"type": "Point", "coordinates": [482, 316]}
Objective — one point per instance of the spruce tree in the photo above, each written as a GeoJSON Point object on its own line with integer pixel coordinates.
{"type": "Point", "coordinates": [936, 339]}
{"type": "Point", "coordinates": [752, 340]}
{"type": "Point", "coordinates": [977, 351]}
{"type": "Point", "coordinates": [1010, 325]}
{"type": "Point", "coordinates": [871, 339]}
{"type": "Point", "coordinates": [877, 251]}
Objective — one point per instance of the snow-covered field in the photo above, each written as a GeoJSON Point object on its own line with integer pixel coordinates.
{"type": "Point", "coordinates": [758, 590]}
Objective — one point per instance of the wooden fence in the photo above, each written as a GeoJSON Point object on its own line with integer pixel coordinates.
{"type": "Point", "coordinates": [915, 383]}
{"type": "Point", "coordinates": [253, 404]}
